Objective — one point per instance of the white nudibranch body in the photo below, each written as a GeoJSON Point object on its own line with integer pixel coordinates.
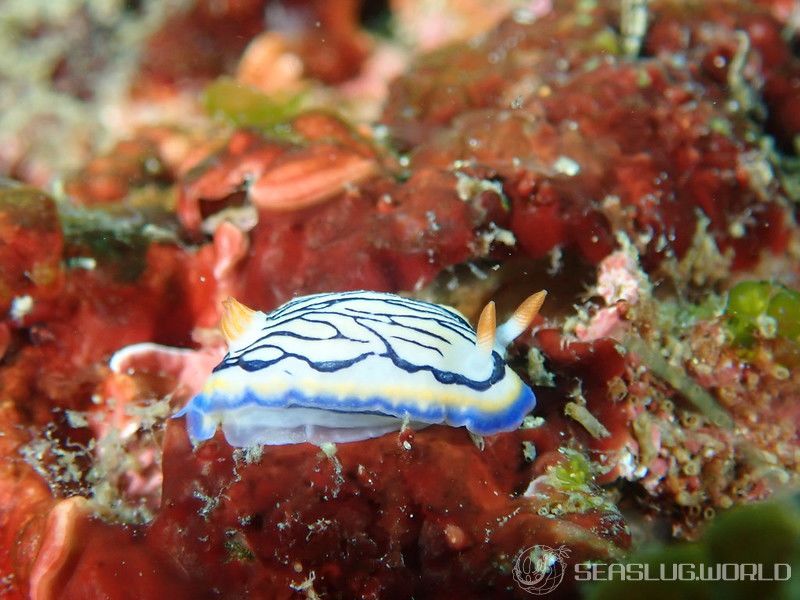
{"type": "Point", "coordinates": [346, 366]}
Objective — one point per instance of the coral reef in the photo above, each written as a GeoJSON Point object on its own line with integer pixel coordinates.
{"type": "Point", "coordinates": [589, 144]}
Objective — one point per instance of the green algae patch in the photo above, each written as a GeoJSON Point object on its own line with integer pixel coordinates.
{"type": "Point", "coordinates": [572, 474]}
{"type": "Point", "coordinates": [763, 309]}
{"type": "Point", "coordinates": [245, 106]}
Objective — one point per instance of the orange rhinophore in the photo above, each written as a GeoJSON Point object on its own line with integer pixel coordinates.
{"type": "Point", "coordinates": [236, 318]}
{"type": "Point", "coordinates": [520, 320]}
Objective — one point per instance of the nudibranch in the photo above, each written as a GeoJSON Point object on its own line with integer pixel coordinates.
{"type": "Point", "coordinates": [340, 367]}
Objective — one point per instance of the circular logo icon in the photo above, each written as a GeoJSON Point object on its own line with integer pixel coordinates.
{"type": "Point", "coordinates": [540, 569]}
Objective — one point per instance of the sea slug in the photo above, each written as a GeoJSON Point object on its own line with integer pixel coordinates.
{"type": "Point", "coordinates": [340, 367]}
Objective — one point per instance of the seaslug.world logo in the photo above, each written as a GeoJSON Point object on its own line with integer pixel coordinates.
{"type": "Point", "coordinates": [540, 569]}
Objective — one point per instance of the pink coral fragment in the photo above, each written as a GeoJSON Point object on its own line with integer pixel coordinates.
{"type": "Point", "coordinates": [619, 278]}
{"type": "Point", "coordinates": [619, 283]}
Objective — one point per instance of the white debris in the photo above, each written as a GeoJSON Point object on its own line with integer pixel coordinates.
{"type": "Point", "coordinates": [20, 307]}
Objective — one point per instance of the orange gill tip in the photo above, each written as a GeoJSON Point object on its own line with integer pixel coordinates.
{"type": "Point", "coordinates": [235, 318]}
{"type": "Point", "coordinates": [487, 327]}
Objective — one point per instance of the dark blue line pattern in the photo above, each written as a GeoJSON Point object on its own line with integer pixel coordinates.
{"type": "Point", "coordinates": [332, 332]}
